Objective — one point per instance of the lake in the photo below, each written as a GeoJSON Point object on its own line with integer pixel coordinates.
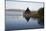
{"type": "Point", "coordinates": [15, 21]}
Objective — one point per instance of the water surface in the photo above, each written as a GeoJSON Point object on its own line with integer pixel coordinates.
{"type": "Point", "coordinates": [15, 20]}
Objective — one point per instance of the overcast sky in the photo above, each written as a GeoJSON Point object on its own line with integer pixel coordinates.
{"type": "Point", "coordinates": [23, 5]}
{"type": "Point", "coordinates": [27, 0]}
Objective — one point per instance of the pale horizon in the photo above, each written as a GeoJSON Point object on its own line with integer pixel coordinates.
{"type": "Point", "coordinates": [23, 5]}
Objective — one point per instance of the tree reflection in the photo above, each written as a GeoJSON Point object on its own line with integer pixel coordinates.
{"type": "Point", "coordinates": [27, 19]}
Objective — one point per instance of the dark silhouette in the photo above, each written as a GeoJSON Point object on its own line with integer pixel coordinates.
{"type": "Point", "coordinates": [41, 16]}
{"type": "Point", "coordinates": [27, 19]}
{"type": "Point", "coordinates": [27, 14]}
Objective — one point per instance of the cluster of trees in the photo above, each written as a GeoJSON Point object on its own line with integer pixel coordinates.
{"type": "Point", "coordinates": [41, 12]}
{"type": "Point", "coordinates": [26, 14]}
{"type": "Point", "coordinates": [41, 16]}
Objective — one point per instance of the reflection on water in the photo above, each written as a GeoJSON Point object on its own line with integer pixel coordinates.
{"type": "Point", "coordinates": [14, 22]}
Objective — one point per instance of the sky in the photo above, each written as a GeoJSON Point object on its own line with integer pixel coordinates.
{"type": "Point", "coordinates": [27, 0]}
{"type": "Point", "coordinates": [23, 5]}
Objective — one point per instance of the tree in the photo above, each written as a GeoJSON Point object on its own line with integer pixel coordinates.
{"type": "Point", "coordinates": [41, 12]}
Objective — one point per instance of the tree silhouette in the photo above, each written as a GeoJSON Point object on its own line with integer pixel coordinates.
{"type": "Point", "coordinates": [27, 14]}
{"type": "Point", "coordinates": [41, 16]}
{"type": "Point", "coordinates": [41, 12]}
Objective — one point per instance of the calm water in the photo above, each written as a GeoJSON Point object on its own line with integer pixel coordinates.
{"type": "Point", "coordinates": [15, 20]}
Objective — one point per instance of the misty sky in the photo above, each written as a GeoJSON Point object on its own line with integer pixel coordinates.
{"type": "Point", "coordinates": [27, 0]}
{"type": "Point", "coordinates": [23, 5]}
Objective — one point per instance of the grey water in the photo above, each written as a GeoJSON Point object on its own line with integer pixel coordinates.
{"type": "Point", "coordinates": [14, 20]}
